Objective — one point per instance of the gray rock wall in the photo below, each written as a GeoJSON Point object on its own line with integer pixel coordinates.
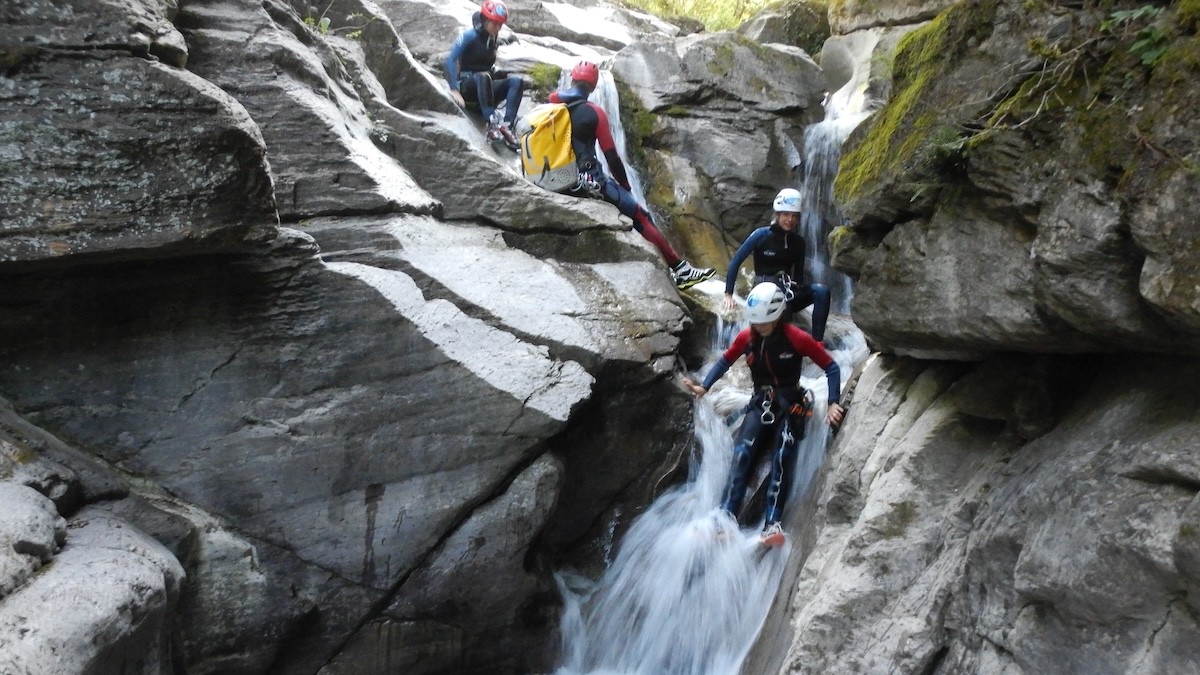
{"type": "Point", "coordinates": [1028, 506]}
{"type": "Point", "coordinates": [1063, 224]}
{"type": "Point", "coordinates": [282, 310]}
{"type": "Point", "coordinates": [950, 543]}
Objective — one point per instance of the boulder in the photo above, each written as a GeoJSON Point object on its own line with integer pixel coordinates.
{"type": "Point", "coordinates": [102, 604]}
{"type": "Point", "coordinates": [31, 533]}
{"type": "Point", "coordinates": [174, 165]}
{"type": "Point", "coordinates": [799, 23]}
{"type": "Point", "coordinates": [1083, 223]}
{"type": "Point", "coordinates": [728, 115]}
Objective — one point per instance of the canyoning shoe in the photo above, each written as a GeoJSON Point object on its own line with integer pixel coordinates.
{"type": "Point", "coordinates": [687, 276]}
{"type": "Point", "coordinates": [494, 134]}
{"type": "Point", "coordinates": [508, 137]}
{"type": "Point", "coordinates": [773, 536]}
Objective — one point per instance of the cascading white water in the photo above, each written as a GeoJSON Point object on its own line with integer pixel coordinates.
{"type": "Point", "coordinates": [844, 110]}
{"type": "Point", "coordinates": [688, 590]}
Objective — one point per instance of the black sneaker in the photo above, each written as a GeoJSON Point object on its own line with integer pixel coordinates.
{"type": "Point", "coordinates": [687, 276]}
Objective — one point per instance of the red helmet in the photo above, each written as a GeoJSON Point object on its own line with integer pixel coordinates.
{"type": "Point", "coordinates": [586, 71]}
{"type": "Point", "coordinates": [494, 10]}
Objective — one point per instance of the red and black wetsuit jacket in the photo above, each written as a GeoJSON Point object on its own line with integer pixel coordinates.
{"type": "Point", "coordinates": [778, 359]}
{"type": "Point", "coordinates": [589, 128]}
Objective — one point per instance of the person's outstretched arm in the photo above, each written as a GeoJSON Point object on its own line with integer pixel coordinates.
{"type": "Point", "coordinates": [609, 148]}
{"type": "Point", "coordinates": [727, 358]}
{"type": "Point", "coordinates": [735, 263]}
{"type": "Point", "coordinates": [806, 345]}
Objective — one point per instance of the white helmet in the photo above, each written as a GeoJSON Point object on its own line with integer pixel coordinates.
{"type": "Point", "coordinates": [765, 303]}
{"type": "Point", "coordinates": [788, 200]}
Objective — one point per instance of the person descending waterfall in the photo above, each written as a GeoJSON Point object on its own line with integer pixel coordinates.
{"type": "Point", "coordinates": [779, 257]}
{"type": "Point", "coordinates": [589, 128]}
{"type": "Point", "coordinates": [779, 407]}
{"type": "Point", "coordinates": [473, 79]}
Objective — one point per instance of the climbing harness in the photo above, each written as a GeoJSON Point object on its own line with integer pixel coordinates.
{"type": "Point", "coordinates": [587, 184]}
{"type": "Point", "coordinates": [783, 280]}
{"type": "Point", "coordinates": [768, 415]}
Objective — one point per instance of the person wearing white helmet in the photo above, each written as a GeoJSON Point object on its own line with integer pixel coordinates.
{"type": "Point", "coordinates": [779, 256]}
{"type": "Point", "coordinates": [779, 407]}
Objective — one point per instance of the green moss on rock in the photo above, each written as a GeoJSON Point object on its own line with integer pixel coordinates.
{"type": "Point", "coordinates": [900, 136]}
{"type": "Point", "coordinates": [1187, 13]}
{"type": "Point", "coordinates": [544, 77]}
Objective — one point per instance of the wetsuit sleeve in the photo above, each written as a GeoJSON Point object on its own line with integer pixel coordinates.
{"type": "Point", "coordinates": [740, 256]}
{"type": "Point", "coordinates": [731, 355]}
{"type": "Point", "coordinates": [718, 369]}
{"type": "Point", "coordinates": [609, 147]}
{"type": "Point", "coordinates": [806, 345]}
{"type": "Point", "coordinates": [456, 52]}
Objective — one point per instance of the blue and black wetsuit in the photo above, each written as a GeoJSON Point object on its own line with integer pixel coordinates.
{"type": "Point", "coordinates": [469, 69]}
{"type": "Point", "coordinates": [589, 129]}
{"type": "Point", "coordinates": [778, 410]}
{"type": "Point", "coordinates": [779, 257]}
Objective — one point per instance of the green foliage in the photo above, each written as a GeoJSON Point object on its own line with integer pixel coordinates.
{"type": "Point", "coordinates": [544, 78]}
{"type": "Point", "coordinates": [714, 14]}
{"type": "Point", "coordinates": [1149, 42]}
{"type": "Point", "coordinates": [354, 29]}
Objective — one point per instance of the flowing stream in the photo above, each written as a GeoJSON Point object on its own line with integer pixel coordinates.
{"type": "Point", "coordinates": [822, 152]}
{"type": "Point", "coordinates": [688, 589]}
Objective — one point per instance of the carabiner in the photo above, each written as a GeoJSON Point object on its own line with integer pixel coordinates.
{"type": "Point", "coordinates": [767, 416]}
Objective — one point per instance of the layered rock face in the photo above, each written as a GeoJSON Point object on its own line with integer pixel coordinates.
{"type": "Point", "coordinates": [308, 379]}
{"type": "Point", "coordinates": [1050, 213]}
{"type": "Point", "coordinates": [307, 372]}
{"type": "Point", "coordinates": [1020, 204]}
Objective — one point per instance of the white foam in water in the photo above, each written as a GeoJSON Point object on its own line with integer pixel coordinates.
{"type": "Point", "coordinates": [688, 590]}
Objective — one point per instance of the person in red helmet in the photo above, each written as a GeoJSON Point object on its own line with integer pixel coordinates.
{"type": "Point", "coordinates": [473, 79]}
{"type": "Point", "coordinates": [589, 129]}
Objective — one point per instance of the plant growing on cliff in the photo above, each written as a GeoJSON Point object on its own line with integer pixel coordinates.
{"type": "Point", "coordinates": [544, 78]}
{"type": "Point", "coordinates": [714, 14]}
{"type": "Point", "coordinates": [321, 24]}
{"type": "Point", "coordinates": [1150, 41]}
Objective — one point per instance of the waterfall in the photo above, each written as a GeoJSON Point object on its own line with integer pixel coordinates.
{"type": "Point", "coordinates": [688, 589]}
{"type": "Point", "coordinates": [844, 110]}
{"type": "Point", "coordinates": [687, 592]}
